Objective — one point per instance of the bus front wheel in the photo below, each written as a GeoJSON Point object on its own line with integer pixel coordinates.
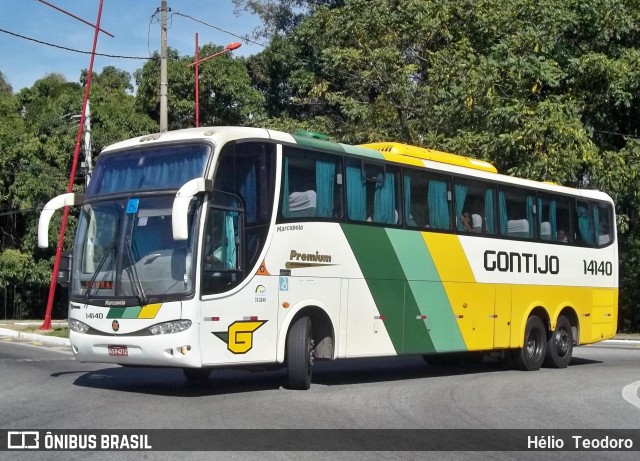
{"type": "Point", "coordinates": [300, 354]}
{"type": "Point", "coordinates": [560, 345]}
{"type": "Point", "coordinates": [533, 352]}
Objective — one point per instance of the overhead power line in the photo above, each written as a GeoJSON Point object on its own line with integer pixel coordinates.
{"type": "Point", "coordinates": [220, 29]}
{"type": "Point", "coordinates": [41, 42]}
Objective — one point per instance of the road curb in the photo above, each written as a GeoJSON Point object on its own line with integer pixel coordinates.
{"type": "Point", "coordinates": [621, 341]}
{"type": "Point", "coordinates": [35, 337]}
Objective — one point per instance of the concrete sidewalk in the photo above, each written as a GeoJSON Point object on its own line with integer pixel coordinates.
{"type": "Point", "coordinates": [24, 330]}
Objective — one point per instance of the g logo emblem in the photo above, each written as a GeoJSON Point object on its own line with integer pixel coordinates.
{"type": "Point", "coordinates": [239, 336]}
{"type": "Point", "coordinates": [115, 325]}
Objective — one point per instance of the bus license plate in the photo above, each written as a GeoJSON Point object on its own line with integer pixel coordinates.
{"type": "Point", "coordinates": [118, 350]}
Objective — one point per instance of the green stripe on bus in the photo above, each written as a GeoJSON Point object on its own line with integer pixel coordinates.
{"type": "Point", "coordinates": [116, 312]}
{"type": "Point", "coordinates": [131, 312]}
{"type": "Point", "coordinates": [387, 282]}
{"type": "Point", "coordinates": [362, 151]}
{"type": "Point", "coordinates": [124, 312]}
{"type": "Point", "coordinates": [314, 143]}
{"type": "Point", "coordinates": [428, 292]}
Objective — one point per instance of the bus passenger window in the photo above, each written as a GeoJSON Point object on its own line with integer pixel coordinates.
{"type": "Point", "coordinates": [311, 185]}
{"type": "Point", "coordinates": [516, 211]}
{"type": "Point", "coordinates": [438, 204]}
{"type": "Point", "coordinates": [415, 198]}
{"type": "Point", "coordinates": [603, 213]}
{"type": "Point", "coordinates": [584, 223]}
{"type": "Point", "coordinates": [372, 193]}
{"type": "Point", "coordinates": [474, 206]}
{"type": "Point", "coordinates": [554, 218]}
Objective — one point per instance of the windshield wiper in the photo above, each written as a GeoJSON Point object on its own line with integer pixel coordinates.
{"type": "Point", "coordinates": [105, 256]}
{"type": "Point", "coordinates": [133, 276]}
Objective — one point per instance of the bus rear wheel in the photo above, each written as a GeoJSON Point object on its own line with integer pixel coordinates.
{"type": "Point", "coordinates": [533, 352]}
{"type": "Point", "coordinates": [560, 345]}
{"type": "Point", "coordinates": [300, 354]}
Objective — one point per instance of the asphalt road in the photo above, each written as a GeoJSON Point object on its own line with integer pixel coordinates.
{"type": "Point", "coordinates": [43, 387]}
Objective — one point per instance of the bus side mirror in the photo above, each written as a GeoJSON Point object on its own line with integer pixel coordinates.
{"type": "Point", "coordinates": [65, 269]}
{"type": "Point", "coordinates": [68, 199]}
{"type": "Point", "coordinates": [180, 211]}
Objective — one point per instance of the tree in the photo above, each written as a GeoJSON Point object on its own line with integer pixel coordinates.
{"type": "Point", "coordinates": [37, 140]}
{"type": "Point", "coordinates": [226, 94]}
{"type": "Point", "coordinates": [115, 114]}
{"type": "Point", "coordinates": [5, 88]}
{"type": "Point", "coordinates": [544, 89]}
{"type": "Point", "coordinates": [282, 16]}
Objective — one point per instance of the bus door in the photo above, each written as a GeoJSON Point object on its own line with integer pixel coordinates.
{"type": "Point", "coordinates": [238, 325]}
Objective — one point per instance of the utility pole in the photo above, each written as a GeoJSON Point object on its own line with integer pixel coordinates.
{"type": "Point", "coordinates": [163, 66]}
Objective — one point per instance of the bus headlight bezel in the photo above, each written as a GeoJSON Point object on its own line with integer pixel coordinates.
{"type": "Point", "coordinates": [77, 326]}
{"type": "Point", "coordinates": [174, 326]}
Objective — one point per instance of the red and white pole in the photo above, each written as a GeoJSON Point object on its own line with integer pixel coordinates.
{"type": "Point", "coordinates": [56, 265]}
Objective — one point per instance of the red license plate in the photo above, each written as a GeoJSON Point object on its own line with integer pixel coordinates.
{"type": "Point", "coordinates": [118, 350]}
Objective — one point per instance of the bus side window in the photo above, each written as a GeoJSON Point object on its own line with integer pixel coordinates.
{"type": "Point", "coordinates": [372, 193]}
{"type": "Point", "coordinates": [584, 223]}
{"type": "Point", "coordinates": [415, 198]}
{"type": "Point", "coordinates": [516, 210]}
{"type": "Point", "coordinates": [474, 208]}
{"type": "Point", "coordinates": [438, 202]}
{"type": "Point", "coordinates": [248, 170]}
{"type": "Point", "coordinates": [311, 185]}
{"type": "Point", "coordinates": [604, 213]}
{"type": "Point", "coordinates": [554, 218]}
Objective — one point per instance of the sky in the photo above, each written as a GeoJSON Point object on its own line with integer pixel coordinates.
{"type": "Point", "coordinates": [132, 22]}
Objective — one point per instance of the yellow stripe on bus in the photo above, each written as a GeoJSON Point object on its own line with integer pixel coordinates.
{"type": "Point", "coordinates": [449, 257]}
{"type": "Point", "coordinates": [149, 311]}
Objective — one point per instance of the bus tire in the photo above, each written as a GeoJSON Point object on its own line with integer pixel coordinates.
{"type": "Point", "coordinates": [560, 345]}
{"type": "Point", "coordinates": [300, 354]}
{"type": "Point", "coordinates": [533, 352]}
{"type": "Point", "coordinates": [197, 374]}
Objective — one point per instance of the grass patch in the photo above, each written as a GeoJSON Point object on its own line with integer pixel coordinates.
{"type": "Point", "coordinates": [59, 332]}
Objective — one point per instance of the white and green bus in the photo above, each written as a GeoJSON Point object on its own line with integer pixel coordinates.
{"type": "Point", "coordinates": [227, 246]}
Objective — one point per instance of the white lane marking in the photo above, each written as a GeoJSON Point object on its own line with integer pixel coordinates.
{"type": "Point", "coordinates": [630, 393]}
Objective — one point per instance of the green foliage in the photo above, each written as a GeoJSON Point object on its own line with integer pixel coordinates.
{"type": "Point", "coordinates": [544, 89]}
{"type": "Point", "coordinates": [5, 87]}
{"type": "Point", "coordinates": [226, 94]}
{"type": "Point", "coordinates": [38, 134]}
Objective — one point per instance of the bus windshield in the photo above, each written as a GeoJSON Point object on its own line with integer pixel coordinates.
{"type": "Point", "coordinates": [151, 168]}
{"type": "Point", "coordinates": [125, 250]}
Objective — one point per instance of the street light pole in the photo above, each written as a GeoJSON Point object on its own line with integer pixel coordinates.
{"type": "Point", "coordinates": [230, 47]}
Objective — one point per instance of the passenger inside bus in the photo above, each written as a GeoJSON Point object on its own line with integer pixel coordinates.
{"type": "Point", "coordinates": [471, 222]}
{"type": "Point", "coordinates": [562, 236]}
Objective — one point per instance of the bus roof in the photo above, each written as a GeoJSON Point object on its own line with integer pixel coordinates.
{"type": "Point", "coordinates": [431, 154]}
{"type": "Point", "coordinates": [390, 151]}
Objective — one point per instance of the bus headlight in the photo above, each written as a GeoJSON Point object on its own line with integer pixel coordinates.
{"type": "Point", "coordinates": [170, 327]}
{"type": "Point", "coordinates": [77, 326]}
